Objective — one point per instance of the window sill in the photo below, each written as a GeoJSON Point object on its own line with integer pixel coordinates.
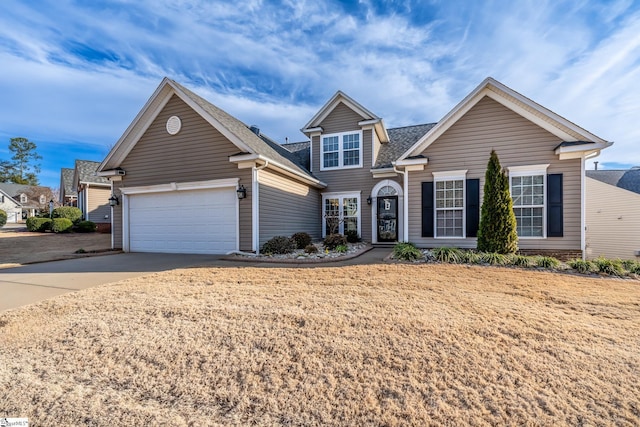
{"type": "Point", "coordinates": [337, 168]}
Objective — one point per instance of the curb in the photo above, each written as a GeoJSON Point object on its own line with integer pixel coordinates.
{"type": "Point", "coordinates": [66, 257]}
{"type": "Point", "coordinates": [295, 261]}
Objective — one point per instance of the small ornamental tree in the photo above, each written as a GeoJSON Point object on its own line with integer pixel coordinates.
{"type": "Point", "coordinates": [497, 231]}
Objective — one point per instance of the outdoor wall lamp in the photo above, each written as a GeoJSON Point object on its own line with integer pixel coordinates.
{"type": "Point", "coordinates": [369, 200]}
{"type": "Point", "coordinates": [242, 192]}
{"type": "Point", "coordinates": [113, 200]}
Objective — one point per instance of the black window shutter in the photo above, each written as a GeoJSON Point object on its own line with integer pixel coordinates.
{"type": "Point", "coordinates": [555, 226]}
{"type": "Point", "coordinates": [427, 209]}
{"type": "Point", "coordinates": [473, 207]}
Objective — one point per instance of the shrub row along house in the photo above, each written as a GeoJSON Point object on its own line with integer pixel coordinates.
{"type": "Point", "coordinates": [83, 188]}
{"type": "Point", "coordinates": [188, 177]}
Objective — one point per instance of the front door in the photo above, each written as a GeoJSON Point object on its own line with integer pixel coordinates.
{"type": "Point", "coordinates": [387, 218]}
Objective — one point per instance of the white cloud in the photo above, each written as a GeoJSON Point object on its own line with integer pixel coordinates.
{"type": "Point", "coordinates": [81, 72]}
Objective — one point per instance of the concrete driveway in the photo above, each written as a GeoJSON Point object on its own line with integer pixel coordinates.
{"type": "Point", "coordinates": [32, 283]}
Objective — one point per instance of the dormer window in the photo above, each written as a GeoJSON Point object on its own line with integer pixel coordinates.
{"type": "Point", "coordinates": [43, 199]}
{"type": "Point", "coordinates": [341, 150]}
{"type": "Point", "coordinates": [23, 198]}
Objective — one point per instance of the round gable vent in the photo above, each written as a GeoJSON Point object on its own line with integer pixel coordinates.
{"type": "Point", "coordinates": [173, 125]}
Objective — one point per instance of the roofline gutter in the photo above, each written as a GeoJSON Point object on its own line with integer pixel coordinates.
{"type": "Point", "coordinates": [279, 166]}
{"type": "Point", "coordinates": [101, 184]}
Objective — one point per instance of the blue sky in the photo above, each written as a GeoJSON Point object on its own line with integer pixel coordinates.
{"type": "Point", "coordinates": [74, 73]}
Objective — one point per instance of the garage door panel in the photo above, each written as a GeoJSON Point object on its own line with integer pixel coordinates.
{"type": "Point", "coordinates": [194, 221]}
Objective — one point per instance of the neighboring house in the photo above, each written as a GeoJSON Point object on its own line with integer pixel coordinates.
{"type": "Point", "coordinates": [613, 213]}
{"type": "Point", "coordinates": [67, 197]}
{"type": "Point", "coordinates": [11, 207]}
{"type": "Point", "coordinates": [32, 199]}
{"type": "Point", "coordinates": [191, 178]}
{"type": "Point", "coordinates": [93, 193]}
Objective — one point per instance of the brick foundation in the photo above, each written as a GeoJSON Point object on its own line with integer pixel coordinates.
{"type": "Point", "coordinates": [561, 254]}
{"type": "Point", "coordinates": [103, 227]}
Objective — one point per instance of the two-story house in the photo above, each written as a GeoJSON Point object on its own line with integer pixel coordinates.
{"type": "Point", "coordinates": [22, 201]}
{"type": "Point", "coordinates": [188, 177]}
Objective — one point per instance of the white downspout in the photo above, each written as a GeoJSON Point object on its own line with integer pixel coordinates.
{"type": "Point", "coordinates": [255, 206]}
{"type": "Point", "coordinates": [405, 203]}
{"type": "Point", "coordinates": [583, 205]}
{"type": "Point", "coordinates": [112, 224]}
{"type": "Point", "coordinates": [86, 203]}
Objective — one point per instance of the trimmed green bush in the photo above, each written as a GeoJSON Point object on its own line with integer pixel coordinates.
{"type": "Point", "coordinates": [494, 258]}
{"type": "Point", "coordinates": [522, 261]}
{"type": "Point", "coordinates": [311, 249]}
{"type": "Point", "coordinates": [447, 254]}
{"type": "Point", "coordinates": [3, 218]}
{"type": "Point", "coordinates": [39, 225]}
{"type": "Point", "coordinates": [61, 225]}
{"type": "Point", "coordinates": [332, 241]}
{"type": "Point", "coordinates": [498, 227]}
{"type": "Point", "coordinates": [630, 265]}
{"type": "Point", "coordinates": [633, 267]}
{"type": "Point", "coordinates": [582, 266]}
{"type": "Point", "coordinates": [352, 236]}
{"type": "Point", "coordinates": [70, 212]}
{"type": "Point", "coordinates": [609, 266]}
{"type": "Point", "coordinates": [406, 251]}
{"type": "Point", "coordinates": [301, 240]}
{"type": "Point", "coordinates": [342, 249]}
{"type": "Point", "coordinates": [471, 257]}
{"type": "Point", "coordinates": [85, 227]}
{"type": "Point", "coordinates": [547, 262]}
{"type": "Point", "coordinates": [278, 245]}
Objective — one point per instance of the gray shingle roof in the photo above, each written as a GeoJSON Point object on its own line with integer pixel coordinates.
{"type": "Point", "coordinates": [17, 189]}
{"type": "Point", "coordinates": [400, 140]}
{"type": "Point", "coordinates": [301, 151]}
{"type": "Point", "coordinates": [67, 181]}
{"type": "Point", "coordinates": [14, 191]}
{"type": "Point", "coordinates": [625, 179]}
{"type": "Point", "coordinates": [246, 135]}
{"type": "Point", "coordinates": [86, 171]}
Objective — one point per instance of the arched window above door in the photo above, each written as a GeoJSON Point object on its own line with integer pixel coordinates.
{"type": "Point", "coordinates": [387, 190]}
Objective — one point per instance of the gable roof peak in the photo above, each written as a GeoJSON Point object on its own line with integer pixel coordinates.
{"type": "Point", "coordinates": [237, 132]}
{"type": "Point", "coordinates": [339, 98]}
{"type": "Point", "coordinates": [536, 113]}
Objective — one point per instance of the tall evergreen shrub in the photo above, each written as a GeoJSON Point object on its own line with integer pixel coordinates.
{"type": "Point", "coordinates": [497, 232]}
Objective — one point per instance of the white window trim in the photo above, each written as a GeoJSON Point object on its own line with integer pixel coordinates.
{"type": "Point", "coordinates": [340, 136]}
{"type": "Point", "coordinates": [532, 170]}
{"type": "Point", "coordinates": [342, 195]}
{"type": "Point", "coordinates": [457, 175]}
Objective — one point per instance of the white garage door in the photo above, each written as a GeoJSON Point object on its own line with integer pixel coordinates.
{"type": "Point", "coordinates": [190, 221]}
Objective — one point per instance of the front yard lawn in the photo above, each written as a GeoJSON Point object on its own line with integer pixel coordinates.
{"type": "Point", "coordinates": [387, 344]}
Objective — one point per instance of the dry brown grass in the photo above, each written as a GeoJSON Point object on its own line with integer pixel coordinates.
{"type": "Point", "coordinates": [18, 246]}
{"type": "Point", "coordinates": [363, 345]}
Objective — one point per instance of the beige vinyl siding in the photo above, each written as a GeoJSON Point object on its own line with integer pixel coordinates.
{"type": "Point", "coordinates": [199, 152]}
{"type": "Point", "coordinates": [287, 207]}
{"type": "Point", "coordinates": [343, 119]}
{"type": "Point", "coordinates": [99, 210]}
{"type": "Point", "coordinates": [467, 145]}
{"type": "Point", "coordinates": [613, 223]}
{"type": "Point", "coordinates": [116, 225]}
